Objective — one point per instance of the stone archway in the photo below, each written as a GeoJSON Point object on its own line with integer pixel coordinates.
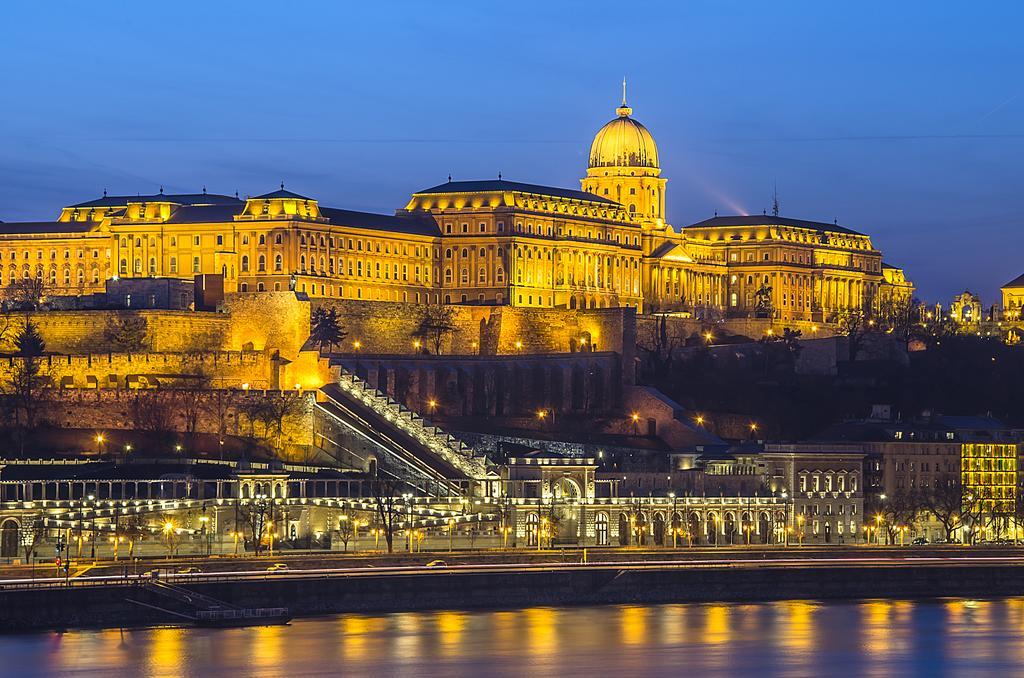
{"type": "Point", "coordinates": [9, 539]}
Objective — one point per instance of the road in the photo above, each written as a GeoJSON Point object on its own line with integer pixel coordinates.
{"type": "Point", "coordinates": [249, 569]}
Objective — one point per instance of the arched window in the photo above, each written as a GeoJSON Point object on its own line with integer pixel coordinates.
{"type": "Point", "coordinates": [464, 276]}
{"type": "Point", "coordinates": [261, 264]}
{"type": "Point", "coordinates": [532, 529]}
{"type": "Point", "coordinates": [263, 239]}
{"type": "Point", "coordinates": [245, 263]}
{"type": "Point", "coordinates": [278, 239]}
{"type": "Point", "coordinates": [601, 529]}
{"type": "Point", "coordinates": [482, 275]}
{"type": "Point", "coordinates": [278, 263]}
{"type": "Point", "coordinates": [448, 276]}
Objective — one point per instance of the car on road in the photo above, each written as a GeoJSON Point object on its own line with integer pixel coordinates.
{"type": "Point", "coordinates": [189, 570]}
{"type": "Point", "coordinates": [278, 567]}
{"type": "Point", "coordinates": [437, 563]}
{"type": "Point", "coordinates": [919, 541]}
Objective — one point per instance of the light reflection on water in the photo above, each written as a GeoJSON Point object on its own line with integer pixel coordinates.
{"type": "Point", "coordinates": [792, 638]}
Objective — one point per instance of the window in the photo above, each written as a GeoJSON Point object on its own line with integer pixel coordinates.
{"type": "Point", "coordinates": [261, 264]}
{"type": "Point", "coordinates": [195, 265]}
{"type": "Point", "coordinates": [278, 263]}
{"type": "Point", "coordinates": [245, 263]}
{"type": "Point", "coordinates": [174, 264]}
{"type": "Point", "coordinates": [195, 241]}
{"type": "Point", "coordinates": [220, 239]}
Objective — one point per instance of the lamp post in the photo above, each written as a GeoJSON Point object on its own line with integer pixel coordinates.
{"type": "Point", "coordinates": [407, 496]}
{"type": "Point", "coordinates": [675, 528]}
{"type": "Point", "coordinates": [635, 418]}
{"type": "Point", "coordinates": [451, 535]}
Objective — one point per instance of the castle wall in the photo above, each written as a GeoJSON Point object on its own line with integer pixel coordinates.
{"type": "Point", "coordinates": [387, 328]}
{"type": "Point", "coordinates": [82, 331]}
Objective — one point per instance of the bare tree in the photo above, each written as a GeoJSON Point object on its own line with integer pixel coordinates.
{"type": "Point", "coordinates": [255, 515]}
{"type": "Point", "coordinates": [153, 410]}
{"type": "Point", "coordinates": [659, 343]}
{"type": "Point", "coordinates": [126, 332]}
{"type": "Point", "coordinates": [436, 323]}
{"type": "Point", "coordinates": [26, 294]}
{"type": "Point", "coordinates": [945, 501]}
{"type": "Point", "coordinates": [389, 508]}
{"type": "Point", "coordinates": [347, 527]}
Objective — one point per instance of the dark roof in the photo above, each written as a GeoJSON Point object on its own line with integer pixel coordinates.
{"type": "Point", "coordinates": [25, 227]}
{"type": "Point", "coordinates": [1016, 282]}
{"type": "Point", "coordinates": [762, 220]}
{"type": "Point", "coordinates": [179, 198]}
{"type": "Point", "coordinates": [416, 225]}
{"type": "Point", "coordinates": [281, 193]}
{"type": "Point", "coordinates": [502, 185]}
{"type": "Point", "coordinates": [199, 214]}
{"type": "Point", "coordinates": [963, 428]}
{"type": "Point", "coordinates": [109, 470]}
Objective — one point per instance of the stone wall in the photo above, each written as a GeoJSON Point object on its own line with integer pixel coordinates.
{"type": "Point", "coordinates": [385, 327]}
{"type": "Point", "coordinates": [82, 331]}
{"type": "Point", "coordinates": [495, 386]}
{"type": "Point", "coordinates": [108, 410]}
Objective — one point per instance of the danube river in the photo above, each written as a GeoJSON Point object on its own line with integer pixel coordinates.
{"type": "Point", "coordinates": [866, 638]}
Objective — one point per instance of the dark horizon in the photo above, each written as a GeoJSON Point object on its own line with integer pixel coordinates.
{"type": "Point", "coordinates": [897, 122]}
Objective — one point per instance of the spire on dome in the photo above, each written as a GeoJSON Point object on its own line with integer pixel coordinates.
{"type": "Point", "coordinates": [624, 111]}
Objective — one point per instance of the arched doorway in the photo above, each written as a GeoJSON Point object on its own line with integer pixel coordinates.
{"type": "Point", "coordinates": [532, 529]}
{"type": "Point", "coordinates": [828, 532]}
{"type": "Point", "coordinates": [711, 524]}
{"type": "Point", "coordinates": [642, 528]}
{"type": "Point", "coordinates": [764, 527]}
{"type": "Point", "coordinates": [9, 539]}
{"type": "Point", "coordinates": [623, 530]}
{"type": "Point", "coordinates": [730, 528]}
{"type": "Point", "coordinates": [693, 528]}
{"type": "Point", "coordinates": [601, 529]}
{"type": "Point", "coordinates": [659, 529]}
{"type": "Point", "coordinates": [747, 528]}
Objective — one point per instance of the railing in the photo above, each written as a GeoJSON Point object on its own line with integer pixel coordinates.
{"type": "Point", "coordinates": [255, 613]}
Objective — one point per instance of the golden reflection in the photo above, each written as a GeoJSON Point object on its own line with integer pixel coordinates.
{"type": "Point", "coordinates": [797, 634]}
{"type": "Point", "coordinates": [876, 630]}
{"type": "Point", "coordinates": [716, 625]}
{"type": "Point", "coordinates": [541, 630]}
{"type": "Point", "coordinates": [268, 645]}
{"type": "Point", "coordinates": [450, 626]}
{"type": "Point", "coordinates": [505, 632]}
{"type": "Point", "coordinates": [165, 652]}
{"type": "Point", "coordinates": [672, 624]}
{"type": "Point", "coordinates": [633, 625]}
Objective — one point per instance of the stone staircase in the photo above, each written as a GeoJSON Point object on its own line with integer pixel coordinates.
{"type": "Point", "coordinates": [440, 443]}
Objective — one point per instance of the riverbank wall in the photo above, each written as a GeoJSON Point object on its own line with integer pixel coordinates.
{"type": "Point", "coordinates": [110, 606]}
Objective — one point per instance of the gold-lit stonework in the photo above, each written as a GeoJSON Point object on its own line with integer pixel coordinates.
{"type": "Point", "coordinates": [492, 242]}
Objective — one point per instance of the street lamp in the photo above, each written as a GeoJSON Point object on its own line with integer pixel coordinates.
{"type": "Point", "coordinates": [100, 439]}
{"type": "Point", "coordinates": [407, 496]}
{"type": "Point", "coordinates": [675, 528]}
{"type": "Point", "coordinates": [635, 418]}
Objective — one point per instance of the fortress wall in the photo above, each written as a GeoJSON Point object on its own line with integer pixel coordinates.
{"type": "Point", "coordinates": [223, 369]}
{"type": "Point", "coordinates": [82, 331]}
{"type": "Point", "coordinates": [387, 327]}
{"type": "Point", "coordinates": [109, 410]}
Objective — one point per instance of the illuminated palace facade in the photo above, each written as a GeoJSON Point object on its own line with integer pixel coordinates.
{"type": "Point", "coordinates": [490, 242]}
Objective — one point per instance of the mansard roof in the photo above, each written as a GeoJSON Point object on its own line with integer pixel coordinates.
{"type": "Point", "coordinates": [515, 187]}
{"type": "Point", "coordinates": [381, 222]}
{"type": "Point", "coordinates": [40, 227]}
{"type": "Point", "coordinates": [177, 198]}
{"type": "Point", "coordinates": [279, 194]}
{"type": "Point", "coordinates": [768, 220]}
{"type": "Point", "coordinates": [1016, 282]}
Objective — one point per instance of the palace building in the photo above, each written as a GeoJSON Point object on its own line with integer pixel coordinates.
{"type": "Point", "coordinates": [492, 242]}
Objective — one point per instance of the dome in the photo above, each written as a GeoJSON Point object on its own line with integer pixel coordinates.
{"type": "Point", "coordinates": [623, 142]}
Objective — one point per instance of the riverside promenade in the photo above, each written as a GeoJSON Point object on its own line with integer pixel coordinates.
{"type": "Point", "coordinates": [106, 600]}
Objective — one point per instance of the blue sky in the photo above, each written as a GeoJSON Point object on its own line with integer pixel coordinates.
{"type": "Point", "coordinates": [904, 120]}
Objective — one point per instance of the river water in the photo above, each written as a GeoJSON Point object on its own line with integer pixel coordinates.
{"type": "Point", "coordinates": [797, 638]}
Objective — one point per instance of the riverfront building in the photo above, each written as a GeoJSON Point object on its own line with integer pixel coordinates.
{"type": "Point", "coordinates": [490, 242]}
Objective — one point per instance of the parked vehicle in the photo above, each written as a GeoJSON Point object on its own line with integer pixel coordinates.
{"type": "Point", "coordinates": [278, 567]}
{"type": "Point", "coordinates": [189, 570]}
{"type": "Point", "coordinates": [437, 563]}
